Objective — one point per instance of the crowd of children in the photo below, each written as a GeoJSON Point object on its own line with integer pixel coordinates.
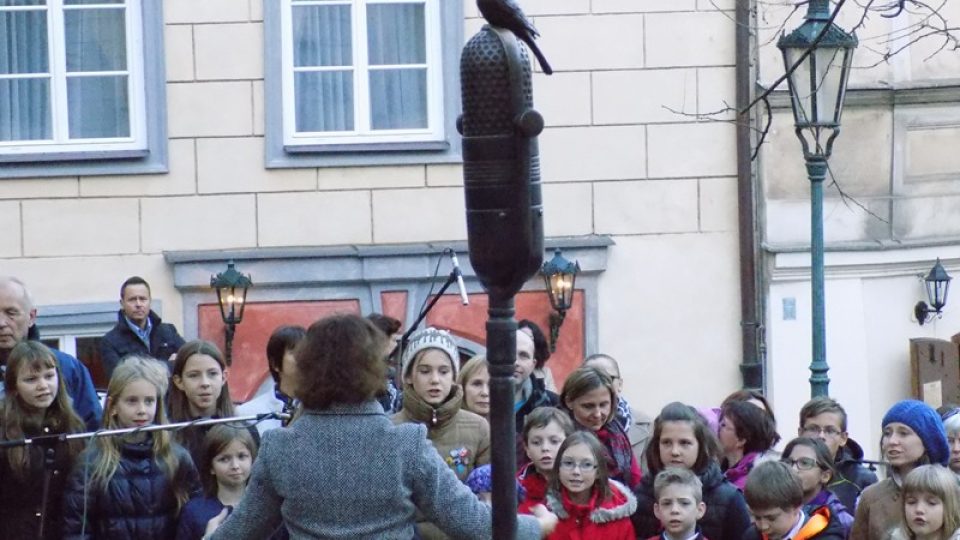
{"type": "Point", "coordinates": [705, 474]}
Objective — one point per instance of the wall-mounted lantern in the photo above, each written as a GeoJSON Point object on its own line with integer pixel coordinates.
{"type": "Point", "coordinates": [559, 276]}
{"type": "Point", "coordinates": [231, 288]}
{"type": "Point", "coordinates": [937, 284]}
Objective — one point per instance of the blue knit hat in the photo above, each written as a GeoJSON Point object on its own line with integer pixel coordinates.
{"type": "Point", "coordinates": [926, 423]}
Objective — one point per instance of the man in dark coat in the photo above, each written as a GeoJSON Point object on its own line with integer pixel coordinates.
{"type": "Point", "coordinates": [530, 391]}
{"type": "Point", "coordinates": [138, 330]}
{"type": "Point", "coordinates": [18, 317]}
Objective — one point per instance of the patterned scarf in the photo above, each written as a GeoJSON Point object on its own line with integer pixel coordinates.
{"type": "Point", "coordinates": [619, 453]}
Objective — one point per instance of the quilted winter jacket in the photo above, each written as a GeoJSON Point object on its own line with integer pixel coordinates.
{"type": "Point", "coordinates": [138, 503]}
{"type": "Point", "coordinates": [462, 439]}
{"type": "Point", "coordinates": [120, 342]}
{"type": "Point", "coordinates": [609, 520]}
{"type": "Point", "coordinates": [726, 517]}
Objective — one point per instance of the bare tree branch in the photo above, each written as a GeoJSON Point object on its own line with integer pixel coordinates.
{"type": "Point", "coordinates": [849, 200]}
{"type": "Point", "coordinates": [803, 57]}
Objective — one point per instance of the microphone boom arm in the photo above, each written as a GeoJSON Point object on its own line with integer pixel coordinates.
{"type": "Point", "coordinates": [61, 437]}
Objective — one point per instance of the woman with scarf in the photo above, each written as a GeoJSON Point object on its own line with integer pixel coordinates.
{"type": "Point", "coordinates": [590, 397]}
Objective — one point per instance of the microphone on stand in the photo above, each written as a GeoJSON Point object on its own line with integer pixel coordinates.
{"type": "Point", "coordinates": [459, 274]}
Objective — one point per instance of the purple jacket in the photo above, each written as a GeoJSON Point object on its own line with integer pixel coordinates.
{"type": "Point", "coordinates": [828, 499]}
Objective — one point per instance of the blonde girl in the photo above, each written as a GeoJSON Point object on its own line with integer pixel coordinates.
{"type": "Point", "coordinates": [200, 391]}
{"type": "Point", "coordinates": [36, 404]}
{"type": "Point", "coordinates": [130, 487]}
{"type": "Point", "coordinates": [228, 455]}
{"type": "Point", "coordinates": [587, 501]}
{"type": "Point", "coordinates": [931, 505]}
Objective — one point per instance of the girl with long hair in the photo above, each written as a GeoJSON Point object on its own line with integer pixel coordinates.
{"type": "Point", "coordinates": [228, 456]}
{"type": "Point", "coordinates": [589, 504]}
{"type": "Point", "coordinates": [200, 391]}
{"type": "Point", "coordinates": [931, 505]}
{"type": "Point", "coordinates": [682, 438]}
{"type": "Point", "coordinates": [36, 405]}
{"type": "Point", "coordinates": [130, 486]}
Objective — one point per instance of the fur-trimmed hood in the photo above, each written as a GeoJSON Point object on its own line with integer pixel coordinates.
{"type": "Point", "coordinates": [622, 504]}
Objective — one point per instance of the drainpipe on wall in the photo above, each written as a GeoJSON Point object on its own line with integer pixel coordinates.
{"type": "Point", "coordinates": [751, 366]}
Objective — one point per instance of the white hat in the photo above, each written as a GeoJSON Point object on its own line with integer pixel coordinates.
{"type": "Point", "coordinates": [430, 338]}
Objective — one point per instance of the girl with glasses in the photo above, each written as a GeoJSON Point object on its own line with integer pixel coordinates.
{"type": "Point", "coordinates": [588, 503]}
{"type": "Point", "coordinates": [809, 459]}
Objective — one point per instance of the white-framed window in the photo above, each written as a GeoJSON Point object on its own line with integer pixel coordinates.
{"type": "Point", "coordinates": [71, 77]}
{"type": "Point", "coordinates": [361, 72]}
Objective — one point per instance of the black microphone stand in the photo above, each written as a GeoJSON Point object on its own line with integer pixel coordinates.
{"type": "Point", "coordinates": [50, 443]}
{"type": "Point", "coordinates": [451, 279]}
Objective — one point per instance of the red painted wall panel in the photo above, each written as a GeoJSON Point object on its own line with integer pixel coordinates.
{"type": "Point", "coordinates": [260, 319]}
{"type": "Point", "coordinates": [470, 322]}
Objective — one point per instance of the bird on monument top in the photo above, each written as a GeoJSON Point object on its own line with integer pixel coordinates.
{"type": "Point", "coordinates": [507, 14]}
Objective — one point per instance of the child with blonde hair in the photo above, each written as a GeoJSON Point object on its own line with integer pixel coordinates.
{"type": "Point", "coordinates": [132, 486]}
{"type": "Point", "coordinates": [931, 505]}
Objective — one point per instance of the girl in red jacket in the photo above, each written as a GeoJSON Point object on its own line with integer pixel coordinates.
{"type": "Point", "coordinates": [588, 503]}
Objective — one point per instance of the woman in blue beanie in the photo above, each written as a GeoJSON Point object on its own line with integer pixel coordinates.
{"type": "Point", "coordinates": [913, 435]}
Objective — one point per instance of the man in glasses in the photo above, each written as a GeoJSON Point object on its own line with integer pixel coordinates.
{"type": "Point", "coordinates": [825, 419]}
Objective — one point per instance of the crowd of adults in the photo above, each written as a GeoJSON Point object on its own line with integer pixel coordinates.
{"type": "Point", "coordinates": [395, 444]}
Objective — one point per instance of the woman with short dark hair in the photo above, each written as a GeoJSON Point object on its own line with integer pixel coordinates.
{"type": "Point", "coordinates": [746, 434]}
{"type": "Point", "coordinates": [343, 469]}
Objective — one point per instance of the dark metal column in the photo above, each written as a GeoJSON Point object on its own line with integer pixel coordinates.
{"type": "Point", "coordinates": [501, 176]}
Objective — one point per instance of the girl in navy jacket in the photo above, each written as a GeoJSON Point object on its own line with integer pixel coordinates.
{"type": "Point", "coordinates": [227, 457]}
{"type": "Point", "coordinates": [131, 486]}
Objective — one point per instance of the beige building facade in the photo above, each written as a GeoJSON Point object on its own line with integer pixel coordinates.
{"type": "Point", "coordinates": [637, 182]}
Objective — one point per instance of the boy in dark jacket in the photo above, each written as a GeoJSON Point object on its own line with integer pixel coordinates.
{"type": "Point", "coordinates": [823, 418]}
{"type": "Point", "coordinates": [775, 499]}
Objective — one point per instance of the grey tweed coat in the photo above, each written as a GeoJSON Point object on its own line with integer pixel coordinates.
{"type": "Point", "coordinates": [349, 473]}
